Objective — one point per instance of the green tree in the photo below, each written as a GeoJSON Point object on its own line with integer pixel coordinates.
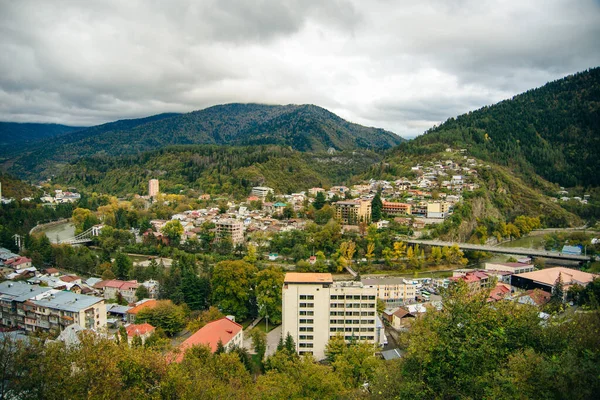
{"type": "Point", "coordinates": [165, 315]}
{"type": "Point", "coordinates": [259, 342]}
{"type": "Point", "coordinates": [142, 293]}
{"type": "Point", "coordinates": [173, 230]}
{"type": "Point", "coordinates": [319, 201]}
{"type": "Point", "coordinates": [233, 287]}
{"type": "Point", "coordinates": [376, 207]}
{"type": "Point", "coordinates": [268, 293]}
{"type": "Point", "coordinates": [122, 266]}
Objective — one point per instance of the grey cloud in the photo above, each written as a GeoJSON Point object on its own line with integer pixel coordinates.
{"type": "Point", "coordinates": [399, 65]}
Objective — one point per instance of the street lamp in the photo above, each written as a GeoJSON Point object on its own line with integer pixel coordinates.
{"type": "Point", "coordinates": [267, 322]}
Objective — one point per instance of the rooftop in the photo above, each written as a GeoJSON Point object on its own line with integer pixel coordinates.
{"type": "Point", "coordinates": [141, 305]}
{"type": "Point", "coordinates": [312, 277]}
{"type": "Point", "coordinates": [223, 329]}
{"type": "Point", "coordinates": [19, 291]}
{"type": "Point", "coordinates": [139, 329]}
{"type": "Point", "coordinates": [68, 301]}
{"type": "Point", "coordinates": [569, 276]}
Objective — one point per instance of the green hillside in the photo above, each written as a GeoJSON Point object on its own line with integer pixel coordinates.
{"type": "Point", "coordinates": [553, 131]}
{"type": "Point", "coordinates": [215, 170]}
{"type": "Point", "coordinates": [15, 135]}
{"type": "Point", "coordinates": [302, 127]}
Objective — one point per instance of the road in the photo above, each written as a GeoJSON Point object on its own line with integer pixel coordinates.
{"type": "Point", "coordinates": [504, 250]}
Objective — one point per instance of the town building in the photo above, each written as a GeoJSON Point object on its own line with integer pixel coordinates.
{"type": "Point", "coordinates": [353, 212]}
{"type": "Point", "coordinates": [393, 291]}
{"type": "Point", "coordinates": [316, 309]}
{"type": "Point", "coordinates": [139, 306]}
{"type": "Point", "coordinates": [391, 208]}
{"type": "Point", "coordinates": [224, 330]}
{"type": "Point", "coordinates": [153, 188]}
{"type": "Point", "coordinates": [230, 228]}
{"type": "Point", "coordinates": [261, 191]}
{"type": "Point", "coordinates": [438, 209]}
{"type": "Point", "coordinates": [111, 288]}
{"type": "Point", "coordinates": [514, 268]}
{"type": "Point", "coordinates": [546, 278]}
{"type": "Point", "coordinates": [32, 308]}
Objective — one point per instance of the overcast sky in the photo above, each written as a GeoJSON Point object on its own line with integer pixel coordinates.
{"type": "Point", "coordinates": [400, 65]}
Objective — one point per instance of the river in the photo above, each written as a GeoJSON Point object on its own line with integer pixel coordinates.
{"type": "Point", "coordinates": [59, 232]}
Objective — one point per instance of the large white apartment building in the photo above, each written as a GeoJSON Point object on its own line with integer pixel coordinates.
{"type": "Point", "coordinates": [261, 191]}
{"type": "Point", "coordinates": [395, 292]}
{"type": "Point", "coordinates": [315, 309]}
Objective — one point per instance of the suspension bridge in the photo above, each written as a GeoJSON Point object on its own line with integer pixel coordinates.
{"type": "Point", "coordinates": [84, 237]}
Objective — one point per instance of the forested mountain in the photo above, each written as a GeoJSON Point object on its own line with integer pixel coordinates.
{"type": "Point", "coordinates": [553, 131]}
{"type": "Point", "coordinates": [302, 127]}
{"type": "Point", "coordinates": [15, 134]}
{"type": "Point", "coordinates": [215, 170]}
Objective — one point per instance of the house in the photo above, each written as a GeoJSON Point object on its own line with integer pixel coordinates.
{"type": "Point", "coordinates": [515, 268]}
{"type": "Point", "coordinates": [398, 318]}
{"type": "Point", "coordinates": [74, 279]}
{"type": "Point", "coordinates": [224, 330]}
{"type": "Point", "coordinates": [499, 292]}
{"type": "Point", "coordinates": [140, 305]}
{"type": "Point", "coordinates": [535, 297]}
{"type": "Point", "coordinates": [52, 272]}
{"type": "Point", "coordinates": [111, 288]}
{"type": "Point", "coordinates": [144, 331]}
{"type": "Point", "coordinates": [18, 263]}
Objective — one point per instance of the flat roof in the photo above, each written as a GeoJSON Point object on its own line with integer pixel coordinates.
{"type": "Point", "coordinates": [19, 291]}
{"type": "Point", "coordinates": [68, 301]}
{"type": "Point", "coordinates": [549, 276]}
{"type": "Point", "coordinates": [308, 277]}
{"type": "Point", "coordinates": [385, 281]}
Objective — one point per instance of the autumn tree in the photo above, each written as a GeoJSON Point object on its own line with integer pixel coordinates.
{"type": "Point", "coordinates": [233, 287]}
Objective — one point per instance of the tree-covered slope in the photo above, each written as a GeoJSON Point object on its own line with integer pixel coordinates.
{"type": "Point", "coordinates": [553, 131]}
{"type": "Point", "coordinates": [15, 135]}
{"type": "Point", "coordinates": [214, 170]}
{"type": "Point", "coordinates": [302, 127]}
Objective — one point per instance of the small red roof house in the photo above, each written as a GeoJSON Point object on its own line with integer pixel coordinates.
{"type": "Point", "coordinates": [142, 330]}
{"type": "Point", "coordinates": [535, 297]}
{"type": "Point", "coordinates": [498, 292]}
{"type": "Point", "coordinates": [225, 330]}
{"type": "Point", "coordinates": [140, 305]}
{"type": "Point", "coordinates": [71, 279]}
{"type": "Point", "coordinates": [19, 263]}
{"type": "Point", "coordinates": [252, 198]}
{"type": "Point", "coordinates": [52, 271]}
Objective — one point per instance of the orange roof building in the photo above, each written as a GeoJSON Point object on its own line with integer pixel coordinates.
{"type": "Point", "coordinates": [142, 330]}
{"type": "Point", "coordinates": [305, 277]}
{"type": "Point", "coordinates": [225, 330]}
{"type": "Point", "coordinates": [140, 305]}
{"type": "Point", "coordinates": [546, 278]}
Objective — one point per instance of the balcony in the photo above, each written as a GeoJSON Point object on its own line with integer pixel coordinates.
{"type": "Point", "coordinates": [43, 324]}
{"type": "Point", "coordinates": [20, 312]}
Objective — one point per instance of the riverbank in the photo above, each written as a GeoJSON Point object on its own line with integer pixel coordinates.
{"type": "Point", "coordinates": [46, 226]}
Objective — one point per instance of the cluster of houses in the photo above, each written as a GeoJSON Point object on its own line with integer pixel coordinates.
{"type": "Point", "coordinates": [60, 197]}
{"type": "Point", "coordinates": [563, 195]}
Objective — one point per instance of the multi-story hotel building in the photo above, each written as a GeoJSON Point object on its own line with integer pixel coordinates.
{"type": "Point", "coordinates": [438, 209]}
{"type": "Point", "coordinates": [395, 292]}
{"type": "Point", "coordinates": [153, 188]}
{"type": "Point", "coordinates": [33, 308]}
{"type": "Point", "coordinates": [230, 228]}
{"type": "Point", "coordinates": [353, 212]}
{"type": "Point", "coordinates": [396, 208]}
{"type": "Point", "coordinates": [316, 309]}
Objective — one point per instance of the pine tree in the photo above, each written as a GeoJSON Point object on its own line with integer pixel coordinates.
{"type": "Point", "coordinates": [376, 207]}
{"type": "Point", "coordinates": [319, 201]}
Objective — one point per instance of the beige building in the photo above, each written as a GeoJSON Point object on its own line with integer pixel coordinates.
{"type": "Point", "coordinates": [353, 212]}
{"type": "Point", "coordinates": [34, 308]}
{"type": "Point", "coordinates": [316, 309]}
{"type": "Point", "coordinates": [153, 189]}
{"type": "Point", "coordinates": [438, 209]}
{"type": "Point", "coordinates": [514, 268]}
{"type": "Point", "coordinates": [393, 291]}
{"type": "Point", "coordinates": [261, 191]}
{"type": "Point", "coordinates": [230, 228]}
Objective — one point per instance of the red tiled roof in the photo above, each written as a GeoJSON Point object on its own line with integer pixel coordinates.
{"type": "Point", "coordinates": [139, 329]}
{"type": "Point", "coordinates": [149, 303]}
{"type": "Point", "coordinates": [117, 284]}
{"type": "Point", "coordinates": [402, 312]}
{"type": "Point", "coordinates": [51, 270]}
{"type": "Point", "coordinates": [18, 261]}
{"type": "Point", "coordinates": [223, 329]}
{"type": "Point", "coordinates": [69, 278]}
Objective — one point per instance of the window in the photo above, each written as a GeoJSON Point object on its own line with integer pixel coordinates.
{"type": "Point", "coordinates": [334, 297]}
{"type": "Point", "coordinates": [306, 321]}
{"type": "Point", "coordinates": [306, 345]}
{"type": "Point", "coordinates": [306, 305]}
{"type": "Point", "coordinates": [307, 297]}
{"type": "Point", "coordinates": [306, 337]}
{"type": "Point", "coordinates": [309, 313]}
{"type": "Point", "coordinates": [306, 329]}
